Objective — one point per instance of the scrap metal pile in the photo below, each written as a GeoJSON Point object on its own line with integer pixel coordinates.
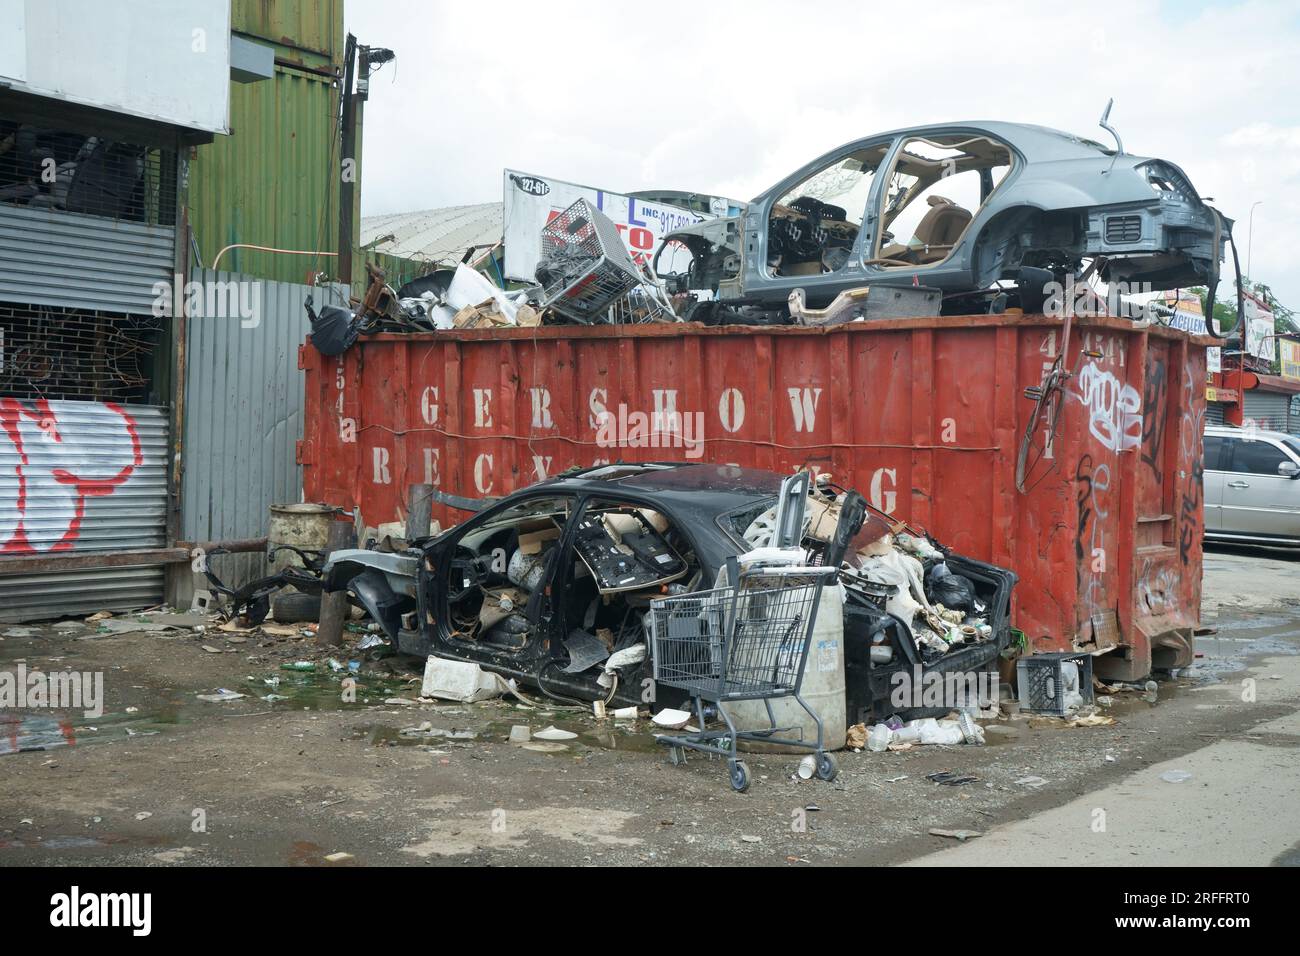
{"type": "Point", "coordinates": [585, 276]}
{"type": "Point", "coordinates": [899, 572]}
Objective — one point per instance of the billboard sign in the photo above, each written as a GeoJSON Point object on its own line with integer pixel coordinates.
{"type": "Point", "coordinates": [532, 201]}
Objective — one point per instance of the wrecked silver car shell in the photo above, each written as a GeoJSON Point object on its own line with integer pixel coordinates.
{"type": "Point", "coordinates": [1040, 199]}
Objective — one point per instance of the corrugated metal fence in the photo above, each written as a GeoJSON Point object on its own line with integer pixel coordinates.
{"type": "Point", "coordinates": [81, 477]}
{"type": "Point", "coordinates": [243, 410]}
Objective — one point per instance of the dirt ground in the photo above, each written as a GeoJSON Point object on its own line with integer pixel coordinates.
{"type": "Point", "coordinates": [164, 777]}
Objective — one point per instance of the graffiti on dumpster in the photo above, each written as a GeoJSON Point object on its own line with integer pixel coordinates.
{"type": "Point", "coordinates": [1190, 462]}
{"type": "Point", "coordinates": [1155, 400]}
{"type": "Point", "coordinates": [1114, 408]}
{"type": "Point", "coordinates": [59, 473]}
{"type": "Point", "coordinates": [1158, 587]}
{"type": "Point", "coordinates": [1093, 491]}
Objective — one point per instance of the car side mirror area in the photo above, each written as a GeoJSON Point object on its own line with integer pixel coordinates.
{"type": "Point", "coordinates": [1288, 469]}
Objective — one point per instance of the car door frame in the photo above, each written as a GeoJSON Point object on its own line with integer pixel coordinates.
{"type": "Point", "coordinates": [757, 280]}
{"type": "Point", "coordinates": [431, 587]}
{"type": "Point", "coordinates": [956, 269]}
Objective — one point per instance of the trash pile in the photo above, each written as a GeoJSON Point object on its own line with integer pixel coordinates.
{"type": "Point", "coordinates": [586, 276]}
{"type": "Point", "coordinates": [939, 607]}
{"type": "Point", "coordinates": [899, 571]}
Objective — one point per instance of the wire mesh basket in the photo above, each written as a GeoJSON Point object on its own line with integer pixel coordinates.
{"type": "Point", "coordinates": [585, 269]}
{"type": "Point", "coordinates": [737, 643]}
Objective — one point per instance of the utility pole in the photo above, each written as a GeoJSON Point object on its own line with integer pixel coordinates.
{"type": "Point", "coordinates": [1250, 237]}
{"type": "Point", "coordinates": [347, 171]}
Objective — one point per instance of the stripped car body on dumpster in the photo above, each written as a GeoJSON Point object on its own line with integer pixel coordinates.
{"type": "Point", "coordinates": [552, 583]}
{"type": "Point", "coordinates": [957, 207]}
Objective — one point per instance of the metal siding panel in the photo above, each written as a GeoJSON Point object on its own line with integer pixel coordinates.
{"type": "Point", "coordinates": [1214, 413]}
{"type": "Point", "coordinates": [274, 181]}
{"type": "Point", "coordinates": [81, 477]}
{"type": "Point", "coordinates": [50, 257]}
{"type": "Point", "coordinates": [315, 25]}
{"type": "Point", "coordinates": [244, 413]}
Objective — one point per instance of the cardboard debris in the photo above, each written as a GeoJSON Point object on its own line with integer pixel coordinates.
{"type": "Point", "coordinates": [1090, 720]}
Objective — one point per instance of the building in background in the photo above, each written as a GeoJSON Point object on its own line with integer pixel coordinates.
{"type": "Point", "coordinates": [93, 151]}
{"type": "Point", "coordinates": [149, 402]}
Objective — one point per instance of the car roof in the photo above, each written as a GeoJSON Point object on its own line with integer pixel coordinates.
{"type": "Point", "coordinates": [1232, 431]}
{"type": "Point", "coordinates": [1038, 143]}
{"type": "Point", "coordinates": [699, 489]}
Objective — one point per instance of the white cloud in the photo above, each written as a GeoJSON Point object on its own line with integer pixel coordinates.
{"type": "Point", "coordinates": [727, 97]}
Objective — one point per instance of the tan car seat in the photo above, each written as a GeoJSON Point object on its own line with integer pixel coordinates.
{"type": "Point", "coordinates": [936, 233]}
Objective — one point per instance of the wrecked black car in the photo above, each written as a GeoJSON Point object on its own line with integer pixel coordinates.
{"type": "Point", "coordinates": [552, 583]}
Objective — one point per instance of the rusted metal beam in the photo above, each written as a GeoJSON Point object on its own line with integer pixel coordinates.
{"type": "Point", "coordinates": [32, 563]}
{"type": "Point", "coordinates": [84, 560]}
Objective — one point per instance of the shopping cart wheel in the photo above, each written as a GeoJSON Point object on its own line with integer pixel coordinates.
{"type": "Point", "coordinates": [826, 767]}
{"type": "Point", "coordinates": [677, 756]}
{"type": "Point", "coordinates": [739, 776]}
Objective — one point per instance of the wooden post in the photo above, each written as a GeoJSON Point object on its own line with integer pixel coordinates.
{"type": "Point", "coordinates": [419, 511]}
{"type": "Point", "coordinates": [334, 605]}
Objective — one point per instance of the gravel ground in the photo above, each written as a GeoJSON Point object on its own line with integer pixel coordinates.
{"type": "Point", "coordinates": [163, 777]}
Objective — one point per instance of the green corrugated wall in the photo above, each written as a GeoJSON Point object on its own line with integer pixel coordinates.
{"type": "Point", "coordinates": [271, 182]}
{"type": "Point", "coordinates": [274, 180]}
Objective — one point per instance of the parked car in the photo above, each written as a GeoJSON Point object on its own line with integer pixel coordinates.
{"type": "Point", "coordinates": [957, 207]}
{"type": "Point", "coordinates": [524, 586]}
{"type": "Point", "coordinates": [1252, 486]}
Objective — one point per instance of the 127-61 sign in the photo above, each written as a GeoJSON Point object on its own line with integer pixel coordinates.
{"type": "Point", "coordinates": [533, 201]}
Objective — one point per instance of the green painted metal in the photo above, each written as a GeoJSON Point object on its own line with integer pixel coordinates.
{"type": "Point", "coordinates": [272, 181]}
{"type": "Point", "coordinates": [298, 26]}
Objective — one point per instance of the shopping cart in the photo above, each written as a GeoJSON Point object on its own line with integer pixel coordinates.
{"type": "Point", "coordinates": [748, 641]}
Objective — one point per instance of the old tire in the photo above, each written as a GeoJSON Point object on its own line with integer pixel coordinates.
{"type": "Point", "coordinates": [292, 607]}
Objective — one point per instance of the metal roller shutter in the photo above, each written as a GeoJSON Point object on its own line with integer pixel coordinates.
{"type": "Point", "coordinates": [78, 477]}
{"type": "Point", "coordinates": [51, 257]}
{"type": "Point", "coordinates": [1267, 409]}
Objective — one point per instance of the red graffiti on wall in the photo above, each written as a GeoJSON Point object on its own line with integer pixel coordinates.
{"type": "Point", "coordinates": [24, 423]}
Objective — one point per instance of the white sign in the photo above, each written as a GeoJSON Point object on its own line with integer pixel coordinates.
{"type": "Point", "coordinates": [168, 62]}
{"type": "Point", "coordinates": [533, 201]}
{"type": "Point", "coordinates": [1259, 331]}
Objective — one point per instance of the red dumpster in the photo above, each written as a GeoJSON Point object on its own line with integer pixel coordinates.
{"type": "Point", "coordinates": [924, 416]}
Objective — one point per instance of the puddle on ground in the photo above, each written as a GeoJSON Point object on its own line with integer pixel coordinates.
{"type": "Point", "coordinates": [318, 690]}
{"type": "Point", "coordinates": [57, 841]}
{"type": "Point", "coordinates": [448, 732]}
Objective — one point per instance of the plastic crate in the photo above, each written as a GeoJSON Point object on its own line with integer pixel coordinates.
{"type": "Point", "coordinates": [1041, 680]}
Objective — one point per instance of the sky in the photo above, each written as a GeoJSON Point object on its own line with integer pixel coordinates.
{"type": "Point", "coordinates": [726, 98]}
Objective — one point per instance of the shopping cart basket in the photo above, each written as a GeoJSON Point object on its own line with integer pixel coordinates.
{"type": "Point", "coordinates": [748, 641]}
